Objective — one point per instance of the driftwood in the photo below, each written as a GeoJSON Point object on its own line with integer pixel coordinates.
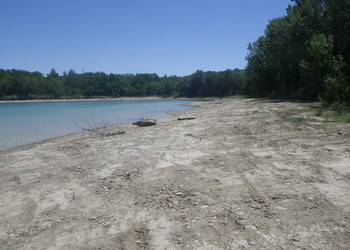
{"type": "Point", "coordinates": [145, 122]}
{"type": "Point", "coordinates": [98, 128]}
{"type": "Point", "coordinates": [186, 118]}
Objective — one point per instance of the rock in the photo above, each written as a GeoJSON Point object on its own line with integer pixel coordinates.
{"type": "Point", "coordinates": [280, 208]}
{"type": "Point", "coordinates": [255, 206]}
{"type": "Point", "coordinates": [251, 242]}
{"type": "Point", "coordinates": [250, 228]}
{"type": "Point", "coordinates": [241, 222]}
{"type": "Point", "coordinates": [204, 207]}
{"type": "Point", "coordinates": [107, 224]}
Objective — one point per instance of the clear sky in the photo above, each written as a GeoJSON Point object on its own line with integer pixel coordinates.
{"type": "Point", "coordinates": [173, 37]}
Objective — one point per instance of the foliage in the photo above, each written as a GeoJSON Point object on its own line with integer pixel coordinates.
{"type": "Point", "coordinates": [18, 84]}
{"type": "Point", "coordinates": [305, 54]}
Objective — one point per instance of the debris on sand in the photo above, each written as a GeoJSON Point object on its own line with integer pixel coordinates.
{"type": "Point", "coordinates": [186, 118]}
{"type": "Point", "coordinates": [119, 132]}
{"type": "Point", "coordinates": [145, 122]}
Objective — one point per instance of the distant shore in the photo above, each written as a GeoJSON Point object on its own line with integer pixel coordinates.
{"type": "Point", "coordinates": [150, 98]}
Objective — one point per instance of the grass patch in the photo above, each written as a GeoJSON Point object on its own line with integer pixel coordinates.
{"type": "Point", "coordinates": [335, 112]}
{"type": "Point", "coordinates": [296, 116]}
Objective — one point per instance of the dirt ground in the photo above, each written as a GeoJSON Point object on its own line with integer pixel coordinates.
{"type": "Point", "coordinates": [244, 174]}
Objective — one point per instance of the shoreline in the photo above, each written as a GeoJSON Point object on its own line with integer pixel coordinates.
{"type": "Point", "coordinates": [244, 173]}
{"type": "Point", "coordinates": [171, 113]}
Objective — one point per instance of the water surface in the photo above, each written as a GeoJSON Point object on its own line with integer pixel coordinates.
{"type": "Point", "coordinates": [24, 123]}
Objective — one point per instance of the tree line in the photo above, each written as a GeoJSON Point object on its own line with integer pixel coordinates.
{"type": "Point", "coordinates": [304, 55]}
{"type": "Point", "coordinates": [19, 84]}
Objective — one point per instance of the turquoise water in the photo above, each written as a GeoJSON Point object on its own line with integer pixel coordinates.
{"type": "Point", "coordinates": [24, 123]}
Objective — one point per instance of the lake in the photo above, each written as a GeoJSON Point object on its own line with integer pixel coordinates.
{"type": "Point", "coordinates": [28, 122]}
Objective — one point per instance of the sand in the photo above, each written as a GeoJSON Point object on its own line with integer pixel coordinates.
{"type": "Point", "coordinates": [244, 174]}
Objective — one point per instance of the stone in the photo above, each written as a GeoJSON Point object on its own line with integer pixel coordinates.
{"type": "Point", "coordinates": [250, 228]}
{"type": "Point", "coordinates": [241, 222]}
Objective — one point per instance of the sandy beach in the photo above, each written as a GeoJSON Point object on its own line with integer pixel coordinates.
{"type": "Point", "coordinates": [243, 174]}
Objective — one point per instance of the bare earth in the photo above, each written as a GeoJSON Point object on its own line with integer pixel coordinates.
{"type": "Point", "coordinates": [243, 174]}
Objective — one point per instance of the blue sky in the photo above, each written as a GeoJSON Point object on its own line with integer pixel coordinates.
{"type": "Point", "coordinates": [173, 37]}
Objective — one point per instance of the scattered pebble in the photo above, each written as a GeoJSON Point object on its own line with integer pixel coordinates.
{"type": "Point", "coordinates": [241, 222]}
{"type": "Point", "coordinates": [250, 227]}
{"type": "Point", "coordinates": [251, 242]}
{"type": "Point", "coordinates": [280, 208]}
